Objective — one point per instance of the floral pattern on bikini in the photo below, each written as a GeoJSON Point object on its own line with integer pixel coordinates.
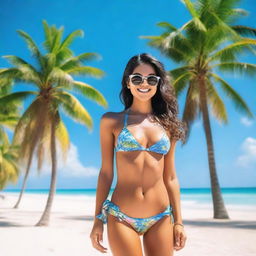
{"type": "Point", "coordinates": [127, 142]}
{"type": "Point", "coordinates": [141, 225]}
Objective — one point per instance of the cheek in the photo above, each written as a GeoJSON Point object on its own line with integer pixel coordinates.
{"type": "Point", "coordinates": [133, 90]}
{"type": "Point", "coordinates": [153, 91]}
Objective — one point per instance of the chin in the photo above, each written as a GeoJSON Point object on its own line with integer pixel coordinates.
{"type": "Point", "coordinates": [144, 98]}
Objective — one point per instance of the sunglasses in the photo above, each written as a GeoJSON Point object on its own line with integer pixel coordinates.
{"type": "Point", "coordinates": [138, 79]}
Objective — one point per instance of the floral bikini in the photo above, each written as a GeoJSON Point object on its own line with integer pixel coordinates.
{"type": "Point", "coordinates": [127, 142]}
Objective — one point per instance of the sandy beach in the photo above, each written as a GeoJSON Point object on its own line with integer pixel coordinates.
{"type": "Point", "coordinates": [72, 219]}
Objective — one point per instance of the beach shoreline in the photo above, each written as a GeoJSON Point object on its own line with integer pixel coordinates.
{"type": "Point", "coordinates": [72, 219]}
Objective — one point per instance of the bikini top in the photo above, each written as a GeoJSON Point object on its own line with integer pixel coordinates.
{"type": "Point", "coordinates": [127, 142]}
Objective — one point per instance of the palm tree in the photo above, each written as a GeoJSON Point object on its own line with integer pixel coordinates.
{"type": "Point", "coordinates": [209, 42]}
{"type": "Point", "coordinates": [9, 170]}
{"type": "Point", "coordinates": [41, 124]}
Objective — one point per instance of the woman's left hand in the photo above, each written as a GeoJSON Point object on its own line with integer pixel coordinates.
{"type": "Point", "coordinates": [179, 237]}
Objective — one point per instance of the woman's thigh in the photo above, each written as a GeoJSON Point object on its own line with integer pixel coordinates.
{"type": "Point", "coordinates": [123, 240]}
{"type": "Point", "coordinates": [158, 240]}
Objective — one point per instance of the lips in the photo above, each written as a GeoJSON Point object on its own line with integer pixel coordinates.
{"type": "Point", "coordinates": [143, 90]}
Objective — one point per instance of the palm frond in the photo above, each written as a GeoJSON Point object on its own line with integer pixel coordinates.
{"type": "Point", "coordinates": [63, 56]}
{"type": "Point", "coordinates": [16, 96]}
{"type": "Point", "coordinates": [181, 82]}
{"type": "Point", "coordinates": [43, 145]}
{"type": "Point", "coordinates": [233, 95]}
{"type": "Point", "coordinates": [224, 26]}
{"type": "Point", "coordinates": [48, 36]}
{"type": "Point", "coordinates": [25, 66]}
{"type": "Point", "coordinates": [70, 38]}
{"type": "Point", "coordinates": [4, 139]}
{"type": "Point", "coordinates": [21, 74]}
{"type": "Point", "coordinates": [72, 106]}
{"type": "Point", "coordinates": [63, 138]}
{"type": "Point", "coordinates": [236, 67]}
{"type": "Point", "coordinates": [216, 103]}
{"type": "Point", "coordinates": [244, 30]}
{"type": "Point", "coordinates": [29, 114]}
{"type": "Point", "coordinates": [30, 42]}
{"type": "Point", "coordinates": [174, 73]}
{"type": "Point", "coordinates": [230, 52]}
{"type": "Point", "coordinates": [169, 27]}
{"type": "Point", "coordinates": [196, 18]}
{"type": "Point", "coordinates": [225, 10]}
{"type": "Point", "coordinates": [59, 77]}
{"type": "Point", "coordinates": [77, 60]}
{"type": "Point", "coordinates": [57, 40]}
{"type": "Point", "coordinates": [8, 120]}
{"type": "Point", "coordinates": [90, 92]}
{"type": "Point", "coordinates": [191, 108]}
{"type": "Point", "coordinates": [172, 44]}
{"type": "Point", "coordinates": [86, 71]}
{"type": "Point", "coordinates": [10, 73]}
{"type": "Point", "coordinates": [50, 62]}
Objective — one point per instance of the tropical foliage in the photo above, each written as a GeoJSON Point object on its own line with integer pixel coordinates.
{"type": "Point", "coordinates": [9, 170]}
{"type": "Point", "coordinates": [53, 77]}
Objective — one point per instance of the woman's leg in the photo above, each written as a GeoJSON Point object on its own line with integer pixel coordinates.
{"type": "Point", "coordinates": [123, 240]}
{"type": "Point", "coordinates": [158, 240]}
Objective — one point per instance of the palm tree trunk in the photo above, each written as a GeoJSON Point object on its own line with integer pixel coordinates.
{"type": "Point", "coordinates": [24, 182]}
{"type": "Point", "coordinates": [45, 218]}
{"type": "Point", "coordinates": [220, 211]}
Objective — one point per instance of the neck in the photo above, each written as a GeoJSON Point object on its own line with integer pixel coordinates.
{"type": "Point", "coordinates": [135, 111]}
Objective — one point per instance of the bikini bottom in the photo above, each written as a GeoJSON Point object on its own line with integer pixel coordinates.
{"type": "Point", "coordinates": [141, 225]}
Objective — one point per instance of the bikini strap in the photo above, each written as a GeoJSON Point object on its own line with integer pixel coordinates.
{"type": "Point", "coordinates": [125, 117]}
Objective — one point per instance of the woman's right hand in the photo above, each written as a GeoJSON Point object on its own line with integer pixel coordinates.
{"type": "Point", "coordinates": [97, 236]}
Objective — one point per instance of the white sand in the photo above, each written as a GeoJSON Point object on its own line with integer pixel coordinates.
{"type": "Point", "coordinates": [71, 223]}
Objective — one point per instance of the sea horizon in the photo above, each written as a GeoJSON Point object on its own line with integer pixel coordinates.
{"type": "Point", "coordinates": [231, 195]}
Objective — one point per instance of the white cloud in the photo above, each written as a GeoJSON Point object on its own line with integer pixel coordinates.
{"type": "Point", "coordinates": [71, 168]}
{"type": "Point", "coordinates": [245, 121]}
{"type": "Point", "coordinates": [248, 157]}
{"type": "Point", "coordinates": [74, 167]}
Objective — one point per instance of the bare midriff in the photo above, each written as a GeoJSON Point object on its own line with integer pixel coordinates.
{"type": "Point", "coordinates": [140, 191]}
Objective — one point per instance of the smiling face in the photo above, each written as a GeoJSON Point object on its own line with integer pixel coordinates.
{"type": "Point", "coordinates": [148, 90]}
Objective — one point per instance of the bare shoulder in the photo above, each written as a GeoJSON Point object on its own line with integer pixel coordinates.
{"type": "Point", "coordinates": [111, 119]}
{"type": "Point", "coordinates": [172, 140]}
{"type": "Point", "coordinates": [112, 116]}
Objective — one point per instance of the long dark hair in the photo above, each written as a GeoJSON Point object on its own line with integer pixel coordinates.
{"type": "Point", "coordinates": [164, 103]}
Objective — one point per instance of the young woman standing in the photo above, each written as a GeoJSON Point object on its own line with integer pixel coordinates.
{"type": "Point", "coordinates": [146, 199]}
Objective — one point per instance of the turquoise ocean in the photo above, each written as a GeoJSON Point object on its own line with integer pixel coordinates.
{"type": "Point", "coordinates": [233, 196]}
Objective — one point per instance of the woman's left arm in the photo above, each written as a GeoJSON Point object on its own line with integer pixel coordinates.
{"type": "Point", "coordinates": [173, 188]}
{"type": "Point", "coordinates": [171, 182]}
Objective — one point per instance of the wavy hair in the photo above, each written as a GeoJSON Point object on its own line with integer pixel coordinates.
{"type": "Point", "coordinates": [164, 103]}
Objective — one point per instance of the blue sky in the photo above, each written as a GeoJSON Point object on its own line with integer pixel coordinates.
{"type": "Point", "coordinates": [112, 29]}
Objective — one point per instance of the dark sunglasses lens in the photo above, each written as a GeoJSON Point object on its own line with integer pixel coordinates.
{"type": "Point", "coordinates": [152, 80]}
{"type": "Point", "coordinates": [136, 80]}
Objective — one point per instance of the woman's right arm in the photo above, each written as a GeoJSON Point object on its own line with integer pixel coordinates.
{"type": "Point", "coordinates": [105, 177]}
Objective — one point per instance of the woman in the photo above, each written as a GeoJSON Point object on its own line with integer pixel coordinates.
{"type": "Point", "coordinates": [146, 199]}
